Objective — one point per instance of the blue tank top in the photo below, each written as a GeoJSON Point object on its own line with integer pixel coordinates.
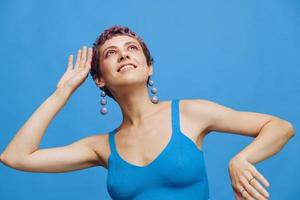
{"type": "Point", "coordinates": [177, 173]}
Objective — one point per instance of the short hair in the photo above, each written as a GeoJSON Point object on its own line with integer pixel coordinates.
{"type": "Point", "coordinates": [107, 34]}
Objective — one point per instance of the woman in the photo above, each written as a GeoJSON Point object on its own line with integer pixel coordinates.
{"type": "Point", "coordinates": [156, 152]}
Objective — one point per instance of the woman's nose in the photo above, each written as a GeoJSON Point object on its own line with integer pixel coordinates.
{"type": "Point", "coordinates": [123, 56]}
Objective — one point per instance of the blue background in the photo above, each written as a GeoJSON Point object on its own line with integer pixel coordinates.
{"type": "Point", "coordinates": [241, 54]}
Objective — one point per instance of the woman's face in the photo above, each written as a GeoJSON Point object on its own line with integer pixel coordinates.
{"type": "Point", "coordinates": [123, 62]}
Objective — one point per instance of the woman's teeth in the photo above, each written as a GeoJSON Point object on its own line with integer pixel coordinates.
{"type": "Point", "coordinates": [127, 67]}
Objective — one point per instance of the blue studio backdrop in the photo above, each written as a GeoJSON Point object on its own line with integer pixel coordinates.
{"type": "Point", "coordinates": [241, 54]}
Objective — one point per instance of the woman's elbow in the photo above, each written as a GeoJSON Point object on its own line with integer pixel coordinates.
{"type": "Point", "coordinates": [13, 163]}
{"type": "Point", "coordinates": [290, 129]}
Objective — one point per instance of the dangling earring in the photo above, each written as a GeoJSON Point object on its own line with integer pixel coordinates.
{"type": "Point", "coordinates": [103, 102]}
{"type": "Point", "coordinates": [154, 97]}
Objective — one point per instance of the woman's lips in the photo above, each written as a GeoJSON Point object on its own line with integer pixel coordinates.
{"type": "Point", "coordinates": [126, 67]}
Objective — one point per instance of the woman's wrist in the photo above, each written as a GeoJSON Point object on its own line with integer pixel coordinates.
{"type": "Point", "coordinates": [63, 93]}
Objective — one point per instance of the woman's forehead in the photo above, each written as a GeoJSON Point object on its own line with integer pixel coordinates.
{"type": "Point", "coordinates": [119, 40]}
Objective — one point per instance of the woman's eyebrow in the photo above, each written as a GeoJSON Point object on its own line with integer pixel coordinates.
{"type": "Point", "coordinates": [116, 46]}
{"type": "Point", "coordinates": [129, 43]}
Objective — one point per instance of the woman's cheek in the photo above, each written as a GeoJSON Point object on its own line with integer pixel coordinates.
{"type": "Point", "coordinates": [106, 65]}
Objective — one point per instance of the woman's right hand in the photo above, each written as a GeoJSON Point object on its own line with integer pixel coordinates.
{"type": "Point", "coordinates": [75, 75]}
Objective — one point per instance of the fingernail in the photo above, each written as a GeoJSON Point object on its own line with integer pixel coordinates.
{"type": "Point", "coordinates": [268, 194]}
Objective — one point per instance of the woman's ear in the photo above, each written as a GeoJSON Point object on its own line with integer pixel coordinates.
{"type": "Point", "coordinates": [150, 70]}
{"type": "Point", "coordinates": [99, 81]}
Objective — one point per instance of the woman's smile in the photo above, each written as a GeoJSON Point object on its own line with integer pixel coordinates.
{"type": "Point", "coordinates": [127, 68]}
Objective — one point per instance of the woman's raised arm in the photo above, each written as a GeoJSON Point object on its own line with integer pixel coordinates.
{"type": "Point", "coordinates": [23, 151]}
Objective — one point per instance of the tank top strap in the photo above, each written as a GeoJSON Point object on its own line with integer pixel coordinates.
{"type": "Point", "coordinates": [112, 141]}
{"type": "Point", "coordinates": [175, 115]}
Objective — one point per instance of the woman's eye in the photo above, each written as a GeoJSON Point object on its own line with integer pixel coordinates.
{"type": "Point", "coordinates": [109, 52]}
{"type": "Point", "coordinates": [133, 47]}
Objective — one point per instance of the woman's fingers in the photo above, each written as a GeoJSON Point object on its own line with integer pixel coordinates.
{"type": "Point", "coordinates": [89, 58]}
{"type": "Point", "coordinates": [70, 63]}
{"type": "Point", "coordinates": [246, 180]}
{"type": "Point", "coordinates": [259, 187]}
{"type": "Point", "coordinates": [244, 194]}
{"type": "Point", "coordinates": [260, 177]}
{"type": "Point", "coordinates": [251, 190]}
{"type": "Point", "coordinates": [78, 58]}
{"type": "Point", "coordinates": [83, 57]}
{"type": "Point", "coordinates": [237, 195]}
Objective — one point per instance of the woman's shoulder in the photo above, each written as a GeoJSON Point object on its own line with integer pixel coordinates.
{"type": "Point", "coordinates": [192, 105]}
{"type": "Point", "coordinates": [196, 109]}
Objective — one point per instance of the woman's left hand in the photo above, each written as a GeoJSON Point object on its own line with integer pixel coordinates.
{"type": "Point", "coordinates": [244, 178]}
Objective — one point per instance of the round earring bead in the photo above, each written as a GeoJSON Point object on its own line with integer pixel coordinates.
{"type": "Point", "coordinates": [103, 94]}
{"type": "Point", "coordinates": [154, 90]}
{"type": "Point", "coordinates": [154, 99]}
{"type": "Point", "coordinates": [103, 111]}
{"type": "Point", "coordinates": [151, 82]}
{"type": "Point", "coordinates": [103, 101]}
